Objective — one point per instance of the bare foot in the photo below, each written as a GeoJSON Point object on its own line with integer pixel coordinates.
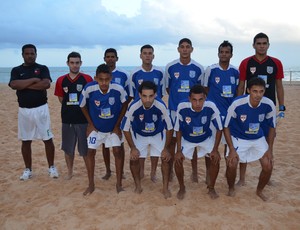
{"type": "Point", "coordinates": [231, 192]}
{"type": "Point", "coordinates": [153, 177]}
{"type": "Point", "coordinates": [119, 188]}
{"type": "Point", "coordinates": [240, 183]}
{"type": "Point", "coordinates": [212, 193]}
{"type": "Point", "coordinates": [107, 176]}
{"type": "Point", "coordinates": [261, 195]}
{"type": "Point", "coordinates": [138, 190]}
{"type": "Point", "coordinates": [167, 194]}
{"type": "Point", "coordinates": [89, 190]}
{"type": "Point", "coordinates": [180, 194]}
{"type": "Point", "coordinates": [194, 178]}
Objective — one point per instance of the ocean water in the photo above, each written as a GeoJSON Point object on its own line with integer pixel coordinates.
{"type": "Point", "coordinates": [291, 74]}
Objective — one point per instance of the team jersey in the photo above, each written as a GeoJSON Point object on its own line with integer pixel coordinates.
{"type": "Point", "coordinates": [121, 77]}
{"type": "Point", "coordinates": [180, 78]}
{"type": "Point", "coordinates": [246, 122]}
{"type": "Point", "coordinates": [222, 85]}
{"type": "Point", "coordinates": [147, 122]}
{"type": "Point", "coordinates": [70, 89]}
{"type": "Point", "coordinates": [139, 75]}
{"type": "Point", "coordinates": [30, 98]}
{"type": "Point", "coordinates": [195, 126]}
{"type": "Point", "coordinates": [104, 109]}
{"type": "Point", "coordinates": [270, 69]}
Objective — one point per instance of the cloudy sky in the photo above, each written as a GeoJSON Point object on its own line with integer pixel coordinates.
{"type": "Point", "coordinates": [91, 26]}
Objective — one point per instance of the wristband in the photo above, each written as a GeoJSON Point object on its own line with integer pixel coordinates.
{"type": "Point", "coordinates": [281, 108]}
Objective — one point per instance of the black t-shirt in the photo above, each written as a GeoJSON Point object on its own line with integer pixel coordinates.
{"type": "Point", "coordinates": [30, 98]}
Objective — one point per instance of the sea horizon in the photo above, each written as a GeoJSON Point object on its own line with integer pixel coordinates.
{"type": "Point", "coordinates": [290, 74]}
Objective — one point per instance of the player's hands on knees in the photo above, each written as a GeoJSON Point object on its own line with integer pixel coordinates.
{"type": "Point", "coordinates": [165, 155]}
{"type": "Point", "coordinates": [215, 157]}
{"type": "Point", "coordinates": [134, 154]}
{"type": "Point", "coordinates": [232, 158]}
{"type": "Point", "coordinates": [179, 157]}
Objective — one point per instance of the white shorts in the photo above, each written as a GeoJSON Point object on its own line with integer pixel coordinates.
{"type": "Point", "coordinates": [95, 139]}
{"type": "Point", "coordinates": [155, 144]}
{"type": "Point", "coordinates": [173, 117]}
{"type": "Point", "coordinates": [34, 123]}
{"type": "Point", "coordinates": [204, 148]}
{"type": "Point", "coordinates": [249, 150]}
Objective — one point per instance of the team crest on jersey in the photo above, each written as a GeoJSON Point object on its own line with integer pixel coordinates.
{"type": "Point", "coordinates": [243, 118]}
{"type": "Point", "coordinates": [118, 80]}
{"type": "Point", "coordinates": [141, 117]}
{"type": "Point", "coordinates": [192, 74]}
{"type": "Point", "coordinates": [252, 70]}
{"type": "Point", "coordinates": [217, 79]}
{"type": "Point", "coordinates": [111, 100]}
{"type": "Point", "coordinates": [188, 120]}
{"type": "Point", "coordinates": [204, 119]}
{"type": "Point", "coordinates": [232, 79]}
{"type": "Point", "coordinates": [261, 117]}
{"type": "Point", "coordinates": [269, 69]}
{"type": "Point", "coordinates": [79, 87]}
{"type": "Point", "coordinates": [155, 81]}
{"type": "Point", "coordinates": [65, 89]}
{"type": "Point", "coordinates": [176, 74]}
{"type": "Point", "coordinates": [97, 103]}
{"type": "Point", "coordinates": [140, 81]}
{"type": "Point", "coordinates": [154, 117]}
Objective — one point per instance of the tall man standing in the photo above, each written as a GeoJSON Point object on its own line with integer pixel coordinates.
{"type": "Point", "coordinates": [31, 80]}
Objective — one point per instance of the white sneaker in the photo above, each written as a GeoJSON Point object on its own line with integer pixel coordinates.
{"type": "Point", "coordinates": [53, 172]}
{"type": "Point", "coordinates": [27, 174]}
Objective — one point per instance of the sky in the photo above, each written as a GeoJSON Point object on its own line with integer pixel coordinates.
{"type": "Point", "coordinates": [91, 26]}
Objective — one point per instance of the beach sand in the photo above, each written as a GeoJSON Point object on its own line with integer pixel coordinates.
{"type": "Point", "coordinates": [45, 203]}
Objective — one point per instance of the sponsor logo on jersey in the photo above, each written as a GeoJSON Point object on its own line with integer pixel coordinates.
{"type": "Point", "coordinates": [261, 117]}
{"type": "Point", "coordinates": [204, 119]}
{"type": "Point", "coordinates": [232, 79]}
{"type": "Point", "coordinates": [154, 117]}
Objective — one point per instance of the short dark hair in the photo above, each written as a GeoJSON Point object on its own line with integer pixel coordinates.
{"type": "Point", "coordinates": [260, 35]}
{"type": "Point", "coordinates": [225, 44]}
{"type": "Point", "coordinates": [111, 50]}
{"type": "Point", "coordinates": [103, 68]}
{"type": "Point", "coordinates": [147, 46]}
{"type": "Point", "coordinates": [147, 85]}
{"type": "Point", "coordinates": [28, 46]}
{"type": "Point", "coordinates": [74, 55]}
{"type": "Point", "coordinates": [187, 40]}
{"type": "Point", "coordinates": [256, 81]}
{"type": "Point", "coordinates": [197, 89]}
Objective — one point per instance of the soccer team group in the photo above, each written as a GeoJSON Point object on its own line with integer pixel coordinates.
{"type": "Point", "coordinates": [206, 107]}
